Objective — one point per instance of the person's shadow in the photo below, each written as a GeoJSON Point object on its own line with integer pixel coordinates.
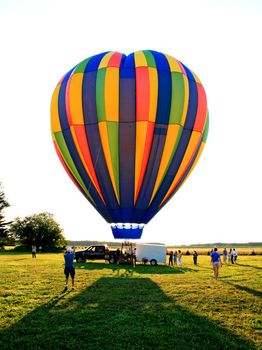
{"type": "Point", "coordinates": [118, 313]}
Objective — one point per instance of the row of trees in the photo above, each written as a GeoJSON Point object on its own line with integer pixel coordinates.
{"type": "Point", "coordinates": [39, 229]}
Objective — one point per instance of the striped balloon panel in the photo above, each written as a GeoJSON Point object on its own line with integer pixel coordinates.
{"type": "Point", "coordinates": [129, 130]}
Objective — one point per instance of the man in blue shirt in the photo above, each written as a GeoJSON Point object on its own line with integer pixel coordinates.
{"type": "Point", "coordinates": [69, 267]}
{"type": "Point", "coordinates": [216, 262]}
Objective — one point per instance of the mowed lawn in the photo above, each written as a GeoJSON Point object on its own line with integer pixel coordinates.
{"type": "Point", "coordinates": [123, 307]}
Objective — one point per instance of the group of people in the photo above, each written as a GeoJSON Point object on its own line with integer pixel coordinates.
{"type": "Point", "coordinates": [175, 258]}
{"type": "Point", "coordinates": [230, 256]}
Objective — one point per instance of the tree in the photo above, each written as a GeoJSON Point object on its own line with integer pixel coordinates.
{"type": "Point", "coordinates": [39, 229]}
{"type": "Point", "coordinates": [3, 224]}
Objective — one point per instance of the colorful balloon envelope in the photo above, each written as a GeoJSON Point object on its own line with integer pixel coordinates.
{"type": "Point", "coordinates": [128, 131]}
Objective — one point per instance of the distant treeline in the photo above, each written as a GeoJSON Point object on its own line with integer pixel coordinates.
{"type": "Point", "coordinates": [222, 245]}
{"type": "Point", "coordinates": [203, 245]}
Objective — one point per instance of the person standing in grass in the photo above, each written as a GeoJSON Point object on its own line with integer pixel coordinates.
{"type": "Point", "coordinates": [234, 254]}
{"type": "Point", "coordinates": [229, 255]}
{"type": "Point", "coordinates": [69, 267]}
{"type": "Point", "coordinates": [225, 255]}
{"type": "Point", "coordinates": [195, 255]}
{"type": "Point", "coordinates": [175, 257]}
{"type": "Point", "coordinates": [33, 251]}
{"type": "Point", "coordinates": [179, 258]}
{"type": "Point", "coordinates": [171, 256]}
{"type": "Point", "coordinates": [216, 262]}
{"type": "Point", "coordinates": [134, 256]}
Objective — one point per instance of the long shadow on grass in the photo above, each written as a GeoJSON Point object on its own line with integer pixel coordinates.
{"type": "Point", "coordinates": [139, 268]}
{"type": "Point", "coordinates": [254, 292]}
{"type": "Point", "coordinates": [253, 267]}
{"type": "Point", "coordinates": [118, 313]}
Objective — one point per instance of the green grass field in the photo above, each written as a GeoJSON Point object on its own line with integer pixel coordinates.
{"type": "Point", "coordinates": [121, 307]}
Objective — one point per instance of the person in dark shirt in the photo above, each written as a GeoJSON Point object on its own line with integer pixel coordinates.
{"type": "Point", "coordinates": [195, 255]}
{"type": "Point", "coordinates": [69, 267]}
{"type": "Point", "coordinates": [171, 255]}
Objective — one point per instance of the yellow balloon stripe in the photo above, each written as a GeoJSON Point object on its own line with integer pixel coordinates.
{"type": "Point", "coordinates": [75, 99]}
{"type": "Point", "coordinates": [105, 60]}
{"type": "Point", "coordinates": [173, 64]}
{"type": "Point", "coordinates": [140, 59]}
{"type": "Point", "coordinates": [106, 148]}
{"type": "Point", "coordinates": [55, 122]}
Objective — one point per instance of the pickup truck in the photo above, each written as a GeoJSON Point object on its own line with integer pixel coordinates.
{"type": "Point", "coordinates": [97, 252]}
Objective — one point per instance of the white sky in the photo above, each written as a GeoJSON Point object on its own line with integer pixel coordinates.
{"type": "Point", "coordinates": [219, 40]}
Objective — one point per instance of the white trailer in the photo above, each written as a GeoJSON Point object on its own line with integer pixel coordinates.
{"type": "Point", "coordinates": [152, 253]}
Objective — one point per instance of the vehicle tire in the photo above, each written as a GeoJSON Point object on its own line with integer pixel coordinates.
{"type": "Point", "coordinates": [80, 259]}
{"type": "Point", "coordinates": [112, 259]}
{"type": "Point", "coordinates": [153, 262]}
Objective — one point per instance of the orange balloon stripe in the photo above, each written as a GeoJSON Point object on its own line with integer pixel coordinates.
{"type": "Point", "coordinates": [142, 93]}
{"type": "Point", "coordinates": [190, 152]}
{"type": "Point", "coordinates": [84, 152]}
{"type": "Point", "coordinates": [201, 110]}
{"type": "Point", "coordinates": [153, 80]}
{"type": "Point", "coordinates": [112, 94]}
{"type": "Point", "coordinates": [115, 60]}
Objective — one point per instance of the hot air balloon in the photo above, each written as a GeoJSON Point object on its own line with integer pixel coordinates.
{"type": "Point", "coordinates": [128, 131]}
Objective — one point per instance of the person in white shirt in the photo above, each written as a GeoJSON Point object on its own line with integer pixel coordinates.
{"type": "Point", "coordinates": [235, 254]}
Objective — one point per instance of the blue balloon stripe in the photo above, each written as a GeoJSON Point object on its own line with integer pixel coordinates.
{"type": "Point", "coordinates": [192, 106]}
{"type": "Point", "coordinates": [164, 88]}
{"type": "Point", "coordinates": [127, 141]}
{"type": "Point", "coordinates": [94, 62]}
{"type": "Point", "coordinates": [170, 174]}
{"type": "Point", "coordinates": [97, 154]}
{"type": "Point", "coordinates": [152, 168]}
{"type": "Point", "coordinates": [89, 97]}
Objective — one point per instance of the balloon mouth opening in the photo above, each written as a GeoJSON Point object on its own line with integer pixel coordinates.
{"type": "Point", "coordinates": [127, 231]}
